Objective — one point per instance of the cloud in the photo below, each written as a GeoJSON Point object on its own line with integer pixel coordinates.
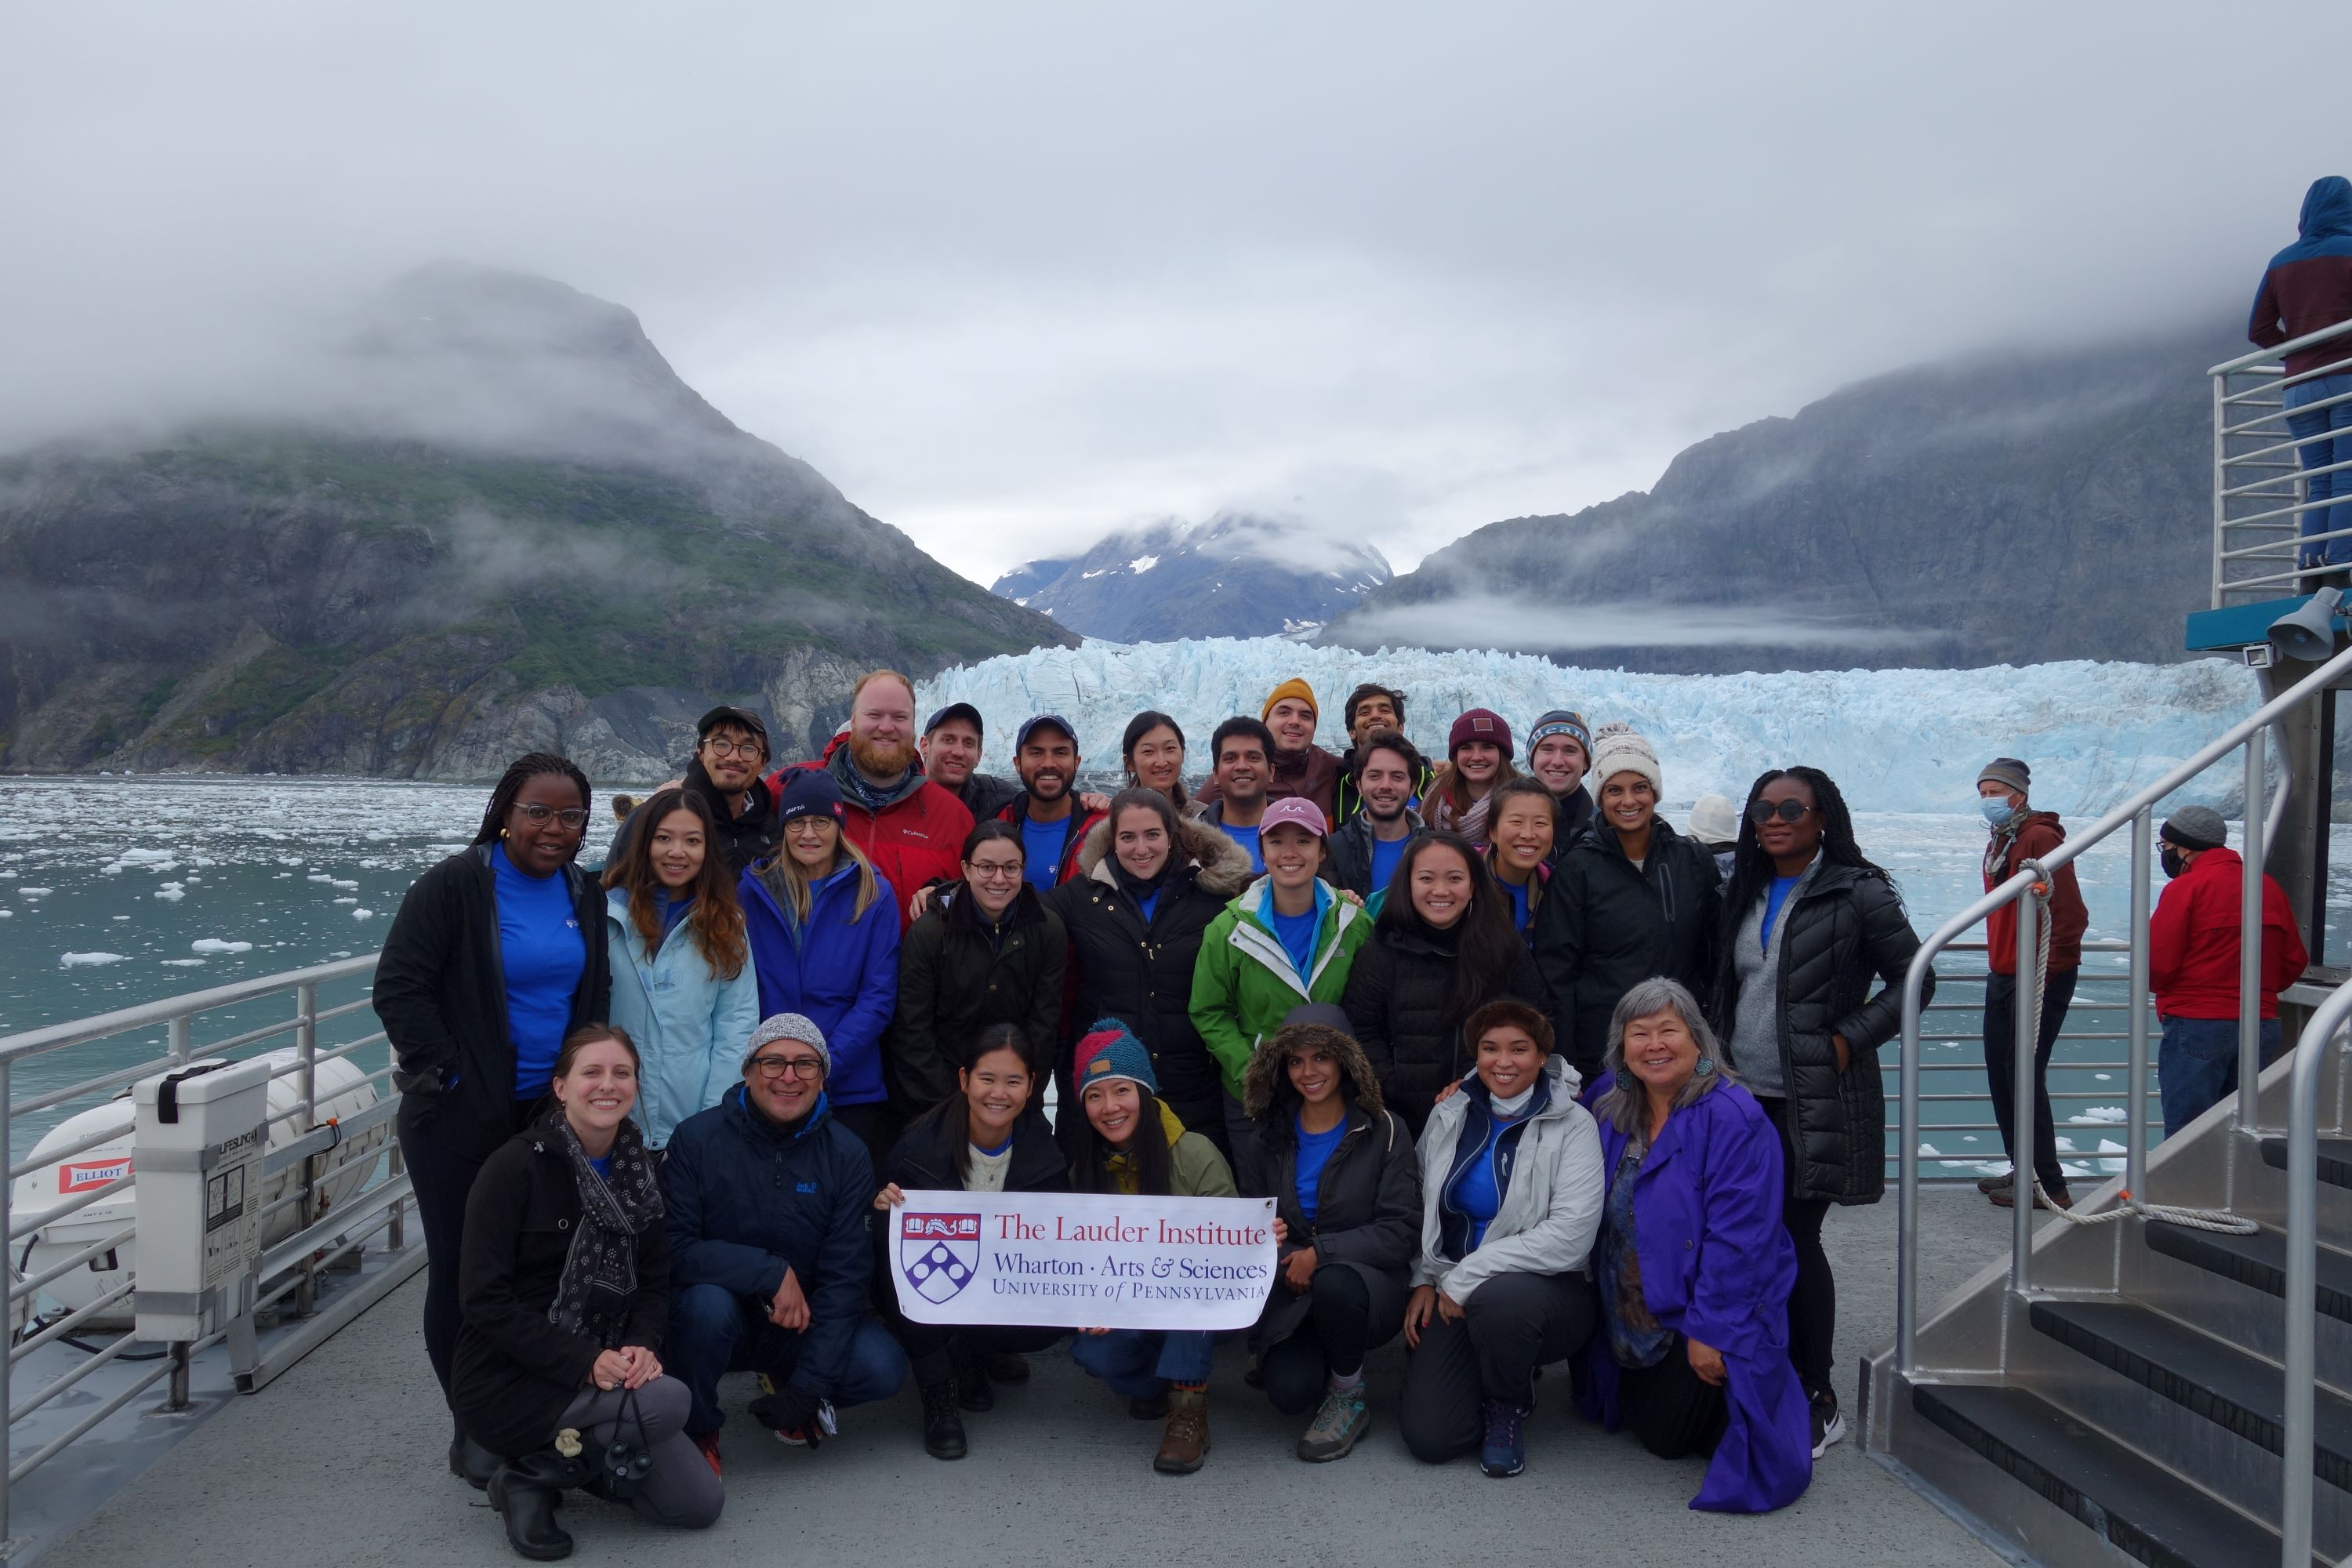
{"type": "Point", "coordinates": [1522, 625]}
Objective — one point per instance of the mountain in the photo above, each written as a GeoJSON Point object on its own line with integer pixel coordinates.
{"type": "Point", "coordinates": [481, 515]}
{"type": "Point", "coordinates": [2019, 508]}
{"type": "Point", "coordinates": [1234, 575]}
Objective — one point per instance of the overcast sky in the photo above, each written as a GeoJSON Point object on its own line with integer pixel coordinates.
{"type": "Point", "coordinates": [1013, 274]}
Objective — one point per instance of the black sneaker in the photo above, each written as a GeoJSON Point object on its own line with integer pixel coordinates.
{"type": "Point", "coordinates": [942, 1428]}
{"type": "Point", "coordinates": [1829, 1426]}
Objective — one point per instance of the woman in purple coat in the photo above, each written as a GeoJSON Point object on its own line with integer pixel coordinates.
{"type": "Point", "coordinates": [1693, 1264]}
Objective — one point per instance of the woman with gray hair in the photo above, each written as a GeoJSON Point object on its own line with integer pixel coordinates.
{"type": "Point", "coordinates": [1693, 1264]}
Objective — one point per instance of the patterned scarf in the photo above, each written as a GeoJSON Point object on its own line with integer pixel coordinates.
{"type": "Point", "coordinates": [2004, 838]}
{"type": "Point", "coordinates": [600, 1272]}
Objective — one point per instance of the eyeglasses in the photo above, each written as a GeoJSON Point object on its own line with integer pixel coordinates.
{"type": "Point", "coordinates": [775, 1068]}
{"type": "Point", "coordinates": [993, 870]}
{"type": "Point", "coordinates": [1763, 811]}
{"type": "Point", "coordinates": [572, 817]}
{"type": "Point", "coordinates": [718, 748]}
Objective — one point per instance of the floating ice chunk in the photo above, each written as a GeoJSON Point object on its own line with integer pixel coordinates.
{"type": "Point", "coordinates": [7, 914]}
{"type": "Point", "coordinates": [1927, 1148]}
{"type": "Point", "coordinates": [363, 914]}
{"type": "Point", "coordinates": [185, 962]}
{"type": "Point", "coordinates": [122, 916]}
{"type": "Point", "coordinates": [339, 882]}
{"type": "Point", "coordinates": [2099, 1113]}
{"type": "Point", "coordinates": [36, 892]}
{"type": "Point", "coordinates": [347, 900]}
{"type": "Point", "coordinates": [87, 959]}
{"type": "Point", "coordinates": [321, 876]}
{"type": "Point", "coordinates": [218, 945]}
{"type": "Point", "coordinates": [172, 891]}
{"type": "Point", "coordinates": [2104, 1077]}
{"type": "Point", "coordinates": [282, 876]}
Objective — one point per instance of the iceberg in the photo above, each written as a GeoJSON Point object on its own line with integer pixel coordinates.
{"type": "Point", "coordinates": [86, 960]}
{"type": "Point", "coordinates": [216, 944]}
{"type": "Point", "coordinates": [1895, 739]}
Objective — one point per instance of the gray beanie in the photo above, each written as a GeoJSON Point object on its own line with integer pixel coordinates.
{"type": "Point", "coordinates": [2008, 773]}
{"type": "Point", "coordinates": [788, 1026]}
{"type": "Point", "coordinates": [2196, 828]}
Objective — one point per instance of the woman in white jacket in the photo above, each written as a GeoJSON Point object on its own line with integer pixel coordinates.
{"type": "Point", "coordinates": [1511, 1198]}
{"type": "Point", "coordinates": [682, 984]}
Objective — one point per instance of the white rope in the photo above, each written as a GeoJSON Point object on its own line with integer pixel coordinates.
{"type": "Point", "coordinates": [2220, 1220]}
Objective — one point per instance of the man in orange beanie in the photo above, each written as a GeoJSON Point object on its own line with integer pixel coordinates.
{"type": "Point", "coordinates": [1301, 768]}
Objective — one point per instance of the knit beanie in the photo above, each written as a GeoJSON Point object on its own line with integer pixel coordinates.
{"type": "Point", "coordinates": [1561, 721]}
{"type": "Point", "coordinates": [1110, 1050]}
{"type": "Point", "coordinates": [1715, 820]}
{"type": "Point", "coordinates": [2008, 773]}
{"type": "Point", "coordinates": [1617, 749]}
{"type": "Point", "coordinates": [807, 790]}
{"type": "Point", "coordinates": [1293, 686]}
{"type": "Point", "coordinates": [789, 1026]}
{"type": "Point", "coordinates": [2196, 828]}
{"type": "Point", "coordinates": [1479, 724]}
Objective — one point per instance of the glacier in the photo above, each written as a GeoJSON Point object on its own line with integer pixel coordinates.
{"type": "Point", "coordinates": [1895, 739]}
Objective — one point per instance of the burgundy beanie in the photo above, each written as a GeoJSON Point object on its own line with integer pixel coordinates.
{"type": "Point", "coordinates": [1479, 724]}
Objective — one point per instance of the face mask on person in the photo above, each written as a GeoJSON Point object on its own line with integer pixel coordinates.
{"type": "Point", "coordinates": [1996, 810]}
{"type": "Point", "coordinates": [2169, 858]}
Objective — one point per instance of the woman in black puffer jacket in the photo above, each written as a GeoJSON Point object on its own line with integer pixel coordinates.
{"type": "Point", "coordinates": [1810, 930]}
{"type": "Point", "coordinates": [1435, 956]}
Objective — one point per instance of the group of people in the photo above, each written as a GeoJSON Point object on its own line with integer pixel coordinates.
{"type": "Point", "coordinates": [1532, 1076]}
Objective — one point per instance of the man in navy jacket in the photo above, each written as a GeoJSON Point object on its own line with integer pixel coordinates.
{"type": "Point", "coordinates": [768, 1203]}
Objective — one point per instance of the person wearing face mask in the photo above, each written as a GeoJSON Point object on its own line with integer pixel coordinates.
{"type": "Point", "coordinates": [986, 952]}
{"type": "Point", "coordinates": [1477, 758]}
{"type": "Point", "coordinates": [1520, 818]}
{"type": "Point", "coordinates": [2193, 964]}
{"type": "Point", "coordinates": [1367, 847]}
{"type": "Point", "coordinates": [1560, 753]}
{"type": "Point", "coordinates": [2021, 834]}
{"type": "Point", "coordinates": [1150, 884]}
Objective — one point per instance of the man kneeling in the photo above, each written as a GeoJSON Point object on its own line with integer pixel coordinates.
{"type": "Point", "coordinates": [768, 1202]}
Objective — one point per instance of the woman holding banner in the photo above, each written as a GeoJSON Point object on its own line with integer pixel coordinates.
{"type": "Point", "coordinates": [1346, 1191]}
{"type": "Point", "coordinates": [986, 1139]}
{"type": "Point", "coordinates": [1132, 1144]}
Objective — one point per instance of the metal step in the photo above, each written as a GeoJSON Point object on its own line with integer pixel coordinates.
{"type": "Point", "coordinates": [2141, 1510]}
{"type": "Point", "coordinates": [2257, 1261]}
{"type": "Point", "coordinates": [2335, 1159]}
{"type": "Point", "coordinates": [2242, 1394]}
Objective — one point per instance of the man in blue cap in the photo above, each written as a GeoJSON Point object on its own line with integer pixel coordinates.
{"type": "Point", "coordinates": [1045, 755]}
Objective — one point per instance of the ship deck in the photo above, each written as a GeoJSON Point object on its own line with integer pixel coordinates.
{"type": "Point", "coordinates": [342, 1460]}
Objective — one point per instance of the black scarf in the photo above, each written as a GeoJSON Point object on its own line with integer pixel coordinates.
{"type": "Point", "coordinates": [600, 1272]}
{"type": "Point", "coordinates": [1140, 888]}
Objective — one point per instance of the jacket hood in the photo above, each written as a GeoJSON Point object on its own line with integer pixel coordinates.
{"type": "Point", "coordinates": [2327, 208]}
{"type": "Point", "coordinates": [1262, 1079]}
{"type": "Point", "coordinates": [1446, 1119]}
{"type": "Point", "coordinates": [1223, 865]}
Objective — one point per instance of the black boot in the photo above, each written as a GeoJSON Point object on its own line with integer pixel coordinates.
{"type": "Point", "coordinates": [524, 1491]}
{"type": "Point", "coordinates": [469, 1461]}
{"type": "Point", "coordinates": [972, 1385]}
{"type": "Point", "coordinates": [942, 1428]}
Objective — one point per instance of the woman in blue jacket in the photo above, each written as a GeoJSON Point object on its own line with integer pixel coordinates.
{"type": "Point", "coordinates": [1693, 1263]}
{"type": "Point", "coordinates": [821, 949]}
{"type": "Point", "coordinates": [682, 984]}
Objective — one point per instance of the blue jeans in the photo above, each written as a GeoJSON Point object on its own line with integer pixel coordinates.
{"type": "Point", "coordinates": [2197, 1066]}
{"type": "Point", "coordinates": [2335, 448]}
{"type": "Point", "coordinates": [714, 1331]}
{"type": "Point", "coordinates": [1140, 1363]}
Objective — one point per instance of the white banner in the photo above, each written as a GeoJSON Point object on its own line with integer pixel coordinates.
{"type": "Point", "coordinates": [1082, 1260]}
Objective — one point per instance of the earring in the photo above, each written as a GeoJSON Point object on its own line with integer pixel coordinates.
{"type": "Point", "coordinates": [1625, 1079]}
{"type": "Point", "coordinates": [1706, 1066]}
{"type": "Point", "coordinates": [506, 832]}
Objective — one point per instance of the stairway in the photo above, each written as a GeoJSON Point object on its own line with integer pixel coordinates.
{"type": "Point", "coordinates": [2129, 1406]}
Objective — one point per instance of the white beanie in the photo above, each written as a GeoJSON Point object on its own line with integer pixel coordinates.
{"type": "Point", "coordinates": [1616, 749]}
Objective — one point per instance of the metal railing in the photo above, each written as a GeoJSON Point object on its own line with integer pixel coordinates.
{"type": "Point", "coordinates": [291, 1267]}
{"type": "Point", "coordinates": [2259, 501]}
{"type": "Point", "coordinates": [2300, 1362]}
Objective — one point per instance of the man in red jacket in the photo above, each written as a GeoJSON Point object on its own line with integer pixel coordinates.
{"type": "Point", "coordinates": [2021, 834]}
{"type": "Point", "coordinates": [911, 829]}
{"type": "Point", "coordinates": [2193, 964]}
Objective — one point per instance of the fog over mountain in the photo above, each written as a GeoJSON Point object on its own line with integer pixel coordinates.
{"type": "Point", "coordinates": [1234, 575]}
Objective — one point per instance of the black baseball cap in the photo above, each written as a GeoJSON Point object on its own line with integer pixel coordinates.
{"type": "Point", "coordinates": [963, 711]}
{"type": "Point", "coordinates": [741, 718]}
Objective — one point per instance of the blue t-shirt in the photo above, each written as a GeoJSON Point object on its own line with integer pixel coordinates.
{"type": "Point", "coordinates": [1774, 897]}
{"type": "Point", "coordinates": [1386, 853]}
{"type": "Point", "coordinates": [1313, 1153]}
{"type": "Point", "coordinates": [603, 1167]}
{"type": "Point", "coordinates": [1147, 903]}
{"type": "Point", "coordinates": [1518, 891]}
{"type": "Point", "coordinates": [1476, 1194]}
{"type": "Point", "coordinates": [1042, 842]}
{"type": "Point", "coordinates": [1297, 933]}
{"type": "Point", "coordinates": [543, 952]}
{"type": "Point", "coordinates": [1247, 838]}
{"type": "Point", "coordinates": [674, 907]}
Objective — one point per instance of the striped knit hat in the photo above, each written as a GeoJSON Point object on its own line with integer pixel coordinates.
{"type": "Point", "coordinates": [1110, 1050]}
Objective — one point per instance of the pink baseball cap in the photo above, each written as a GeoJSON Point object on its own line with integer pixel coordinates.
{"type": "Point", "coordinates": [1295, 812]}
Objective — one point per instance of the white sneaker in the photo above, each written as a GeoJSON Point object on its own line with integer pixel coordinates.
{"type": "Point", "coordinates": [1829, 1426]}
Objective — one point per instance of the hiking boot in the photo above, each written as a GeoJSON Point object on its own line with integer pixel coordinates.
{"type": "Point", "coordinates": [524, 1491]}
{"type": "Point", "coordinates": [1184, 1441]}
{"type": "Point", "coordinates": [971, 1388]}
{"type": "Point", "coordinates": [1341, 1419]}
{"type": "Point", "coordinates": [708, 1445]}
{"type": "Point", "coordinates": [2046, 1199]}
{"type": "Point", "coordinates": [1829, 1426]}
{"type": "Point", "coordinates": [1504, 1452]}
{"type": "Point", "coordinates": [2000, 1183]}
{"type": "Point", "coordinates": [1007, 1366]}
{"type": "Point", "coordinates": [471, 1462]}
{"type": "Point", "coordinates": [942, 1428]}
{"type": "Point", "coordinates": [1148, 1406]}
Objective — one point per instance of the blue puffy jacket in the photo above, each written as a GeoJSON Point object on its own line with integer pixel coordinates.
{"type": "Point", "coordinates": [744, 1199]}
{"type": "Point", "coordinates": [689, 1026]}
{"type": "Point", "coordinates": [841, 973]}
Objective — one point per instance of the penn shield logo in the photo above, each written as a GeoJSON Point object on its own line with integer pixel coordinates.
{"type": "Point", "coordinates": [939, 1252]}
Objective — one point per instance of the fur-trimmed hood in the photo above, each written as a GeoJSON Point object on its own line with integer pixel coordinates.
{"type": "Point", "coordinates": [1223, 865]}
{"type": "Point", "coordinates": [1262, 1078]}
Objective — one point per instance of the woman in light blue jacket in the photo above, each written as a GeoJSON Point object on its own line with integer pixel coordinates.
{"type": "Point", "coordinates": [683, 982]}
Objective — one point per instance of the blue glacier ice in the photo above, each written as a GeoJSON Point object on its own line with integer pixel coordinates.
{"type": "Point", "coordinates": [1895, 739]}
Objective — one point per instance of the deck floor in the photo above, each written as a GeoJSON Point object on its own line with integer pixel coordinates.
{"type": "Point", "coordinates": [341, 1461]}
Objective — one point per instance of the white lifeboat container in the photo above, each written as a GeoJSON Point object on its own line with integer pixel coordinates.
{"type": "Point", "coordinates": [343, 1093]}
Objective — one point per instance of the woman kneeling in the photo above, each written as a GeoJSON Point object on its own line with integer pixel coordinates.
{"type": "Point", "coordinates": [1132, 1144]}
{"type": "Point", "coordinates": [1694, 1263]}
{"type": "Point", "coordinates": [1511, 1177]}
{"type": "Point", "coordinates": [563, 1281]}
{"type": "Point", "coordinates": [1347, 1190]}
{"type": "Point", "coordinates": [988, 1138]}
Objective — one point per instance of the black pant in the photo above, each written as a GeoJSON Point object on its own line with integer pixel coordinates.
{"type": "Point", "coordinates": [441, 1177]}
{"type": "Point", "coordinates": [1813, 1302]}
{"type": "Point", "coordinates": [1333, 1339]}
{"type": "Point", "coordinates": [1673, 1410]}
{"type": "Point", "coordinates": [933, 1348]}
{"type": "Point", "coordinates": [1512, 1324]}
{"type": "Point", "coordinates": [877, 1126]}
{"type": "Point", "coordinates": [2000, 1063]}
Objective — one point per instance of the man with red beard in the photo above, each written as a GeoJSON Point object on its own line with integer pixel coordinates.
{"type": "Point", "coordinates": [1301, 768]}
{"type": "Point", "coordinates": [910, 828]}
{"type": "Point", "coordinates": [1045, 755]}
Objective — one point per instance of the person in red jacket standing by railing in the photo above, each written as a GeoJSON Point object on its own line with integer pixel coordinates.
{"type": "Point", "coordinates": [2193, 964]}
{"type": "Point", "coordinates": [2021, 834]}
{"type": "Point", "coordinates": [911, 829]}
